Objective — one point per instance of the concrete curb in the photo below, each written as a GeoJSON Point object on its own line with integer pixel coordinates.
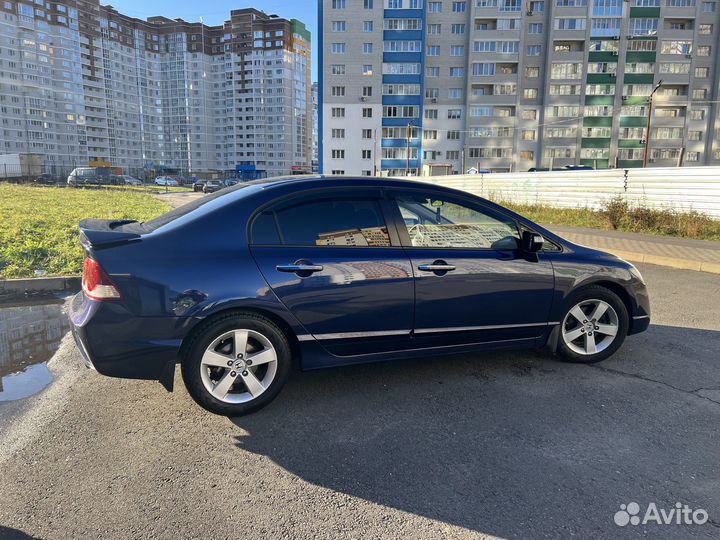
{"type": "Point", "coordinates": [17, 287]}
{"type": "Point", "coordinates": [672, 262]}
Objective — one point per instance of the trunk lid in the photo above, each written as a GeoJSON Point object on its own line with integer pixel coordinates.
{"type": "Point", "coordinates": [103, 233]}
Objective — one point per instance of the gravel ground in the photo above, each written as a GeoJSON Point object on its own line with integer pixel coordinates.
{"type": "Point", "coordinates": [500, 445]}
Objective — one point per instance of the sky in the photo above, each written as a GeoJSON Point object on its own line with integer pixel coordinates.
{"type": "Point", "coordinates": [217, 11]}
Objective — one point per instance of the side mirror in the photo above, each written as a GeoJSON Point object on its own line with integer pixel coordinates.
{"type": "Point", "coordinates": [532, 242]}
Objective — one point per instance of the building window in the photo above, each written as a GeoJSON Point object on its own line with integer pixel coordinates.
{"type": "Point", "coordinates": [430, 135]}
{"type": "Point", "coordinates": [527, 155]}
{"type": "Point", "coordinates": [692, 156]}
{"type": "Point", "coordinates": [432, 71]}
{"type": "Point", "coordinates": [459, 7]}
{"type": "Point", "coordinates": [431, 114]}
{"type": "Point", "coordinates": [434, 29]}
{"type": "Point", "coordinates": [481, 69]}
{"type": "Point", "coordinates": [338, 154]}
{"type": "Point", "coordinates": [367, 91]}
{"type": "Point", "coordinates": [535, 28]}
{"type": "Point", "coordinates": [367, 4]}
{"type": "Point", "coordinates": [338, 26]}
{"type": "Point", "coordinates": [528, 134]}
{"type": "Point", "coordinates": [529, 114]}
{"type": "Point", "coordinates": [532, 72]}
{"type": "Point", "coordinates": [435, 7]}
{"type": "Point", "coordinates": [452, 155]}
{"type": "Point", "coordinates": [454, 93]}
{"type": "Point", "coordinates": [454, 114]}
{"type": "Point", "coordinates": [338, 133]}
{"type": "Point", "coordinates": [337, 172]}
{"type": "Point", "coordinates": [703, 50]}
{"type": "Point", "coordinates": [530, 93]}
{"type": "Point", "coordinates": [453, 135]}
{"type": "Point", "coordinates": [367, 48]}
{"type": "Point", "coordinates": [457, 29]}
{"type": "Point", "coordinates": [367, 69]}
{"type": "Point", "coordinates": [433, 50]}
{"type": "Point", "coordinates": [700, 93]}
{"type": "Point", "coordinates": [367, 112]}
{"type": "Point", "coordinates": [366, 154]}
{"type": "Point", "coordinates": [338, 48]}
{"type": "Point", "coordinates": [705, 29]}
{"type": "Point", "coordinates": [338, 69]}
{"type": "Point", "coordinates": [367, 26]}
{"type": "Point", "coordinates": [338, 112]}
{"type": "Point", "coordinates": [697, 114]}
{"type": "Point", "coordinates": [457, 50]}
{"type": "Point", "coordinates": [565, 23]}
{"type": "Point", "coordinates": [457, 72]}
{"type": "Point", "coordinates": [709, 7]}
{"type": "Point", "coordinates": [338, 91]}
{"type": "Point", "coordinates": [338, 4]}
{"type": "Point", "coordinates": [694, 135]}
{"type": "Point", "coordinates": [367, 133]}
{"type": "Point", "coordinates": [534, 50]}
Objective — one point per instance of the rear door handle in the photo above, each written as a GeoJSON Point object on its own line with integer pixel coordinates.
{"type": "Point", "coordinates": [437, 266]}
{"type": "Point", "coordinates": [299, 268]}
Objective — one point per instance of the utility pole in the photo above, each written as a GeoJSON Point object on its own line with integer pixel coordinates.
{"type": "Point", "coordinates": [407, 155]}
{"type": "Point", "coordinates": [647, 132]}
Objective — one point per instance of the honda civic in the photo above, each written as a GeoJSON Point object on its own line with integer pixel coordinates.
{"type": "Point", "coordinates": [240, 286]}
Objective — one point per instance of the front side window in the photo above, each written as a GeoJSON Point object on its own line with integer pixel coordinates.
{"type": "Point", "coordinates": [331, 222]}
{"type": "Point", "coordinates": [436, 223]}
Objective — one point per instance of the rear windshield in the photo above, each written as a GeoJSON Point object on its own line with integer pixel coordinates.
{"type": "Point", "coordinates": [158, 222]}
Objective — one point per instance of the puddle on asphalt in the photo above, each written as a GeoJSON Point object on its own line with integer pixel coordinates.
{"type": "Point", "coordinates": [30, 333]}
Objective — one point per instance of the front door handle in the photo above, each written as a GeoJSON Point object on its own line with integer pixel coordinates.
{"type": "Point", "coordinates": [294, 268]}
{"type": "Point", "coordinates": [439, 267]}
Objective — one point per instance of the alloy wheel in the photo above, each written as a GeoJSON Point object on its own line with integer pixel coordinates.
{"type": "Point", "coordinates": [238, 366]}
{"type": "Point", "coordinates": [590, 327]}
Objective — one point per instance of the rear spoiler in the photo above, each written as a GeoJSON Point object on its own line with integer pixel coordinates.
{"type": "Point", "coordinates": [102, 233]}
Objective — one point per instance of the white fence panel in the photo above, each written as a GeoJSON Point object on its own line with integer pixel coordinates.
{"type": "Point", "coordinates": [692, 188]}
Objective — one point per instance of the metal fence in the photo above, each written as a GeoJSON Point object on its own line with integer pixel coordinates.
{"type": "Point", "coordinates": [679, 189]}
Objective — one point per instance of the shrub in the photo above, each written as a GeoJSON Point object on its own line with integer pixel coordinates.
{"type": "Point", "coordinates": [616, 211]}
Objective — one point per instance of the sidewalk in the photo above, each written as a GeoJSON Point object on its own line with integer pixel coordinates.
{"type": "Point", "coordinates": [699, 255]}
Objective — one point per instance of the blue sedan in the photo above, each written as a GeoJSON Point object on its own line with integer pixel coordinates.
{"type": "Point", "coordinates": [242, 285]}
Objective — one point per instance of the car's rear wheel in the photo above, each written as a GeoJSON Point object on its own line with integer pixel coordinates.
{"type": "Point", "coordinates": [236, 364]}
{"type": "Point", "coordinates": [594, 325]}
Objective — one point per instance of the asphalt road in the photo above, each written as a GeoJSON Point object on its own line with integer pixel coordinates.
{"type": "Point", "coordinates": [500, 445]}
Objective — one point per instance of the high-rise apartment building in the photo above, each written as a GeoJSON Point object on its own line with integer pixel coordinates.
{"type": "Point", "coordinates": [507, 85]}
{"type": "Point", "coordinates": [82, 83]}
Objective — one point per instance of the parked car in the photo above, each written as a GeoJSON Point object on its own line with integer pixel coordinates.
{"type": "Point", "coordinates": [130, 180]}
{"type": "Point", "coordinates": [82, 176]}
{"type": "Point", "coordinates": [165, 181]}
{"type": "Point", "coordinates": [230, 182]}
{"type": "Point", "coordinates": [324, 272]}
{"type": "Point", "coordinates": [45, 179]}
{"type": "Point", "coordinates": [198, 185]}
{"type": "Point", "coordinates": [211, 186]}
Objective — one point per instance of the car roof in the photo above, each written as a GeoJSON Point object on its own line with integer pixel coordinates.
{"type": "Point", "coordinates": [311, 180]}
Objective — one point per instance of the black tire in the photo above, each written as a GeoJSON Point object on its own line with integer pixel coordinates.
{"type": "Point", "coordinates": [593, 292]}
{"type": "Point", "coordinates": [206, 334]}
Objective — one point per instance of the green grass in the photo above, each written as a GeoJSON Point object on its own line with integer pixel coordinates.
{"type": "Point", "coordinates": [39, 230]}
{"type": "Point", "coordinates": [618, 216]}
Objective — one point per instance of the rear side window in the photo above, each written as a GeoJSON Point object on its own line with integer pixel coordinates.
{"type": "Point", "coordinates": [336, 222]}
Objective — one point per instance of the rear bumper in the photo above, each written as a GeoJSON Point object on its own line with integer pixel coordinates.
{"type": "Point", "coordinates": [117, 343]}
{"type": "Point", "coordinates": [84, 354]}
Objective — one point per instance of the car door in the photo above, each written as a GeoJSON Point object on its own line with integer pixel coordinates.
{"type": "Point", "coordinates": [472, 282]}
{"type": "Point", "coordinates": [329, 258]}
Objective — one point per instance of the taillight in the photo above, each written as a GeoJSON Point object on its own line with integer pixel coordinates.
{"type": "Point", "coordinates": [96, 283]}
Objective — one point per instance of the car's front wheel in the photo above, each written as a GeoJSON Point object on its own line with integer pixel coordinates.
{"type": "Point", "coordinates": [594, 325]}
{"type": "Point", "coordinates": [236, 364]}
